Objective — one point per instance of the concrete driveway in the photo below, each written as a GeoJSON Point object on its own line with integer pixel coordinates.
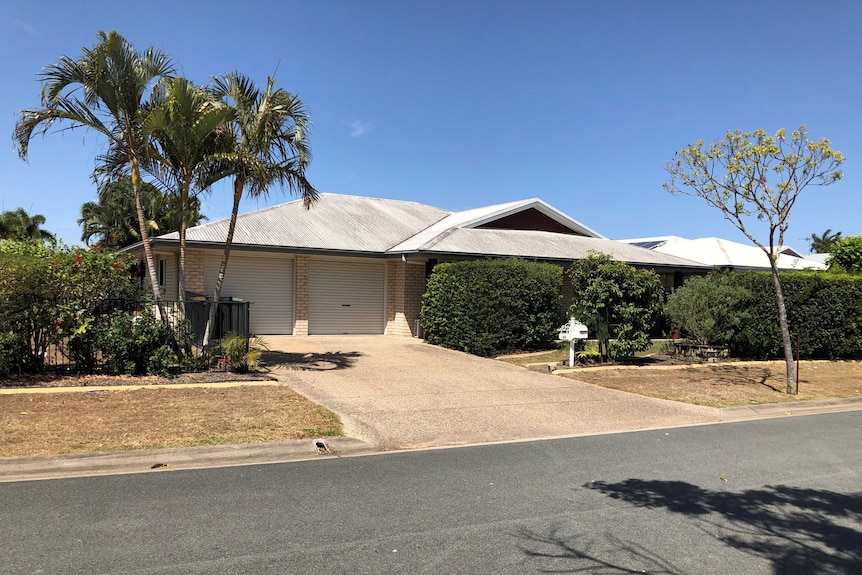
{"type": "Point", "coordinates": [403, 393]}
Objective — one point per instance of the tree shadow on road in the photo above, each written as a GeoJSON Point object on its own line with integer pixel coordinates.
{"type": "Point", "coordinates": [596, 555]}
{"type": "Point", "coordinates": [310, 361]}
{"type": "Point", "coordinates": [798, 530]}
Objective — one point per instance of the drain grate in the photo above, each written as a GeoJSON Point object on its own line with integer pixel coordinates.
{"type": "Point", "coordinates": [322, 448]}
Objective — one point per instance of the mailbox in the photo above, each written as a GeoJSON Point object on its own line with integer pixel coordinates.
{"type": "Point", "coordinates": [573, 330]}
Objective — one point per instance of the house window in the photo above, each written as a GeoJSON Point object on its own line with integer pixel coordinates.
{"type": "Point", "coordinates": [162, 273]}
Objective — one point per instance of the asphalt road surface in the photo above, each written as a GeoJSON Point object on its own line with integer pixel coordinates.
{"type": "Point", "coordinates": [778, 496]}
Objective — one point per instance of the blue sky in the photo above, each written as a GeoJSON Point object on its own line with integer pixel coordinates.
{"type": "Point", "coordinates": [461, 104]}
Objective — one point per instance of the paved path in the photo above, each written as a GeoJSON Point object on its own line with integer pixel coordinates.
{"type": "Point", "coordinates": [403, 393]}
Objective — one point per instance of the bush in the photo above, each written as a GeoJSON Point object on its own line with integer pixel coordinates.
{"type": "Point", "coordinates": [49, 293]}
{"type": "Point", "coordinates": [135, 344]}
{"type": "Point", "coordinates": [13, 354]}
{"type": "Point", "coordinates": [490, 307]}
{"type": "Point", "coordinates": [615, 300]}
{"type": "Point", "coordinates": [824, 312]}
{"type": "Point", "coordinates": [242, 353]}
{"type": "Point", "coordinates": [708, 307]}
{"type": "Point", "coordinates": [846, 254]}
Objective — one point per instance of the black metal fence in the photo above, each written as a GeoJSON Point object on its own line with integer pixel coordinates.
{"type": "Point", "coordinates": [60, 336]}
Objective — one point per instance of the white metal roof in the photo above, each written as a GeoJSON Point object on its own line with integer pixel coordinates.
{"type": "Point", "coordinates": [546, 245]}
{"type": "Point", "coordinates": [339, 223]}
{"type": "Point", "coordinates": [335, 222]}
{"type": "Point", "coordinates": [718, 252]}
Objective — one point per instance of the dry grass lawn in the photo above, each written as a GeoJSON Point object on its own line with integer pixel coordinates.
{"type": "Point", "coordinates": [46, 424]}
{"type": "Point", "coordinates": [732, 384]}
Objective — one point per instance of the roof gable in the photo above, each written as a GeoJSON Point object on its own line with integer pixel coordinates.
{"type": "Point", "coordinates": [529, 219]}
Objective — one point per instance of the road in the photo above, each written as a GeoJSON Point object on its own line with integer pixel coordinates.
{"type": "Point", "coordinates": [770, 496]}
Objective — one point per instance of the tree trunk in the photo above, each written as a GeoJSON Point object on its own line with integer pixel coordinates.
{"type": "Point", "coordinates": [145, 238]}
{"type": "Point", "coordinates": [238, 186]}
{"type": "Point", "coordinates": [181, 273]}
{"type": "Point", "coordinates": [785, 329]}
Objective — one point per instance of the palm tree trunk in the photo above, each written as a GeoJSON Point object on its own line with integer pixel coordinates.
{"type": "Point", "coordinates": [238, 186]}
{"type": "Point", "coordinates": [785, 329]}
{"type": "Point", "coordinates": [181, 279]}
{"type": "Point", "coordinates": [145, 238]}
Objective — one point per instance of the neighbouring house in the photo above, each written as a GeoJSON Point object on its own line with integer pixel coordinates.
{"type": "Point", "coordinates": [725, 254]}
{"type": "Point", "coordinates": [357, 265]}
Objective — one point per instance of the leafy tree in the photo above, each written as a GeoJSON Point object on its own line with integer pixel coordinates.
{"type": "Point", "coordinates": [19, 225]}
{"type": "Point", "coordinates": [752, 174]}
{"type": "Point", "coordinates": [615, 300]}
{"type": "Point", "coordinates": [103, 91]}
{"type": "Point", "coordinates": [822, 244]}
{"type": "Point", "coordinates": [847, 254]}
{"type": "Point", "coordinates": [708, 307]}
{"type": "Point", "coordinates": [112, 222]}
{"type": "Point", "coordinates": [269, 137]}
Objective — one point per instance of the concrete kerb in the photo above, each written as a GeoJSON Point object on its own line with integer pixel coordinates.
{"type": "Point", "coordinates": [185, 458]}
{"type": "Point", "coordinates": [190, 458]}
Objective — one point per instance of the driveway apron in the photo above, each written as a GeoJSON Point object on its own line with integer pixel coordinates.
{"type": "Point", "coordinates": [403, 393]}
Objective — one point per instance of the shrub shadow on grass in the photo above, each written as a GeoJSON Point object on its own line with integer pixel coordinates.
{"type": "Point", "coordinates": [310, 361]}
{"type": "Point", "coordinates": [736, 375]}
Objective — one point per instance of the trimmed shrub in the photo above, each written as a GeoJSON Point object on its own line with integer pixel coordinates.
{"type": "Point", "coordinates": [490, 307]}
{"type": "Point", "coordinates": [824, 311]}
{"type": "Point", "coordinates": [708, 307]}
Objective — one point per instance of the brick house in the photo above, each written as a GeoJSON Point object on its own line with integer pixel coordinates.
{"type": "Point", "coordinates": [357, 265]}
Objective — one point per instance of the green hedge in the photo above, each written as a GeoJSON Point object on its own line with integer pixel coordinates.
{"type": "Point", "coordinates": [824, 311]}
{"type": "Point", "coordinates": [490, 307]}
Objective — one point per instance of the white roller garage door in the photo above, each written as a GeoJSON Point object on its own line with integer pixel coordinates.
{"type": "Point", "coordinates": [265, 281]}
{"type": "Point", "coordinates": [346, 296]}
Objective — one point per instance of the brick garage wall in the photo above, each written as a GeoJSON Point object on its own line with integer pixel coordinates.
{"type": "Point", "coordinates": [300, 309]}
{"type": "Point", "coordinates": [405, 284]}
{"type": "Point", "coordinates": [414, 287]}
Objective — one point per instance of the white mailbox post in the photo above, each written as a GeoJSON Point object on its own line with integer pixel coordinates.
{"type": "Point", "coordinates": [572, 331]}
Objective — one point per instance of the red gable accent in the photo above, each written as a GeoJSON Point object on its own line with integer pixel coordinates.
{"type": "Point", "coordinates": [531, 219]}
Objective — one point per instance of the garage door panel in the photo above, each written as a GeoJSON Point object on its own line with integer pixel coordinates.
{"type": "Point", "coordinates": [266, 282]}
{"type": "Point", "coordinates": [346, 297]}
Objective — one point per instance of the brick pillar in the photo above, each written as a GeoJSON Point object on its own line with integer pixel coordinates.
{"type": "Point", "coordinates": [195, 271]}
{"type": "Point", "coordinates": [414, 287]}
{"type": "Point", "coordinates": [300, 309]}
{"type": "Point", "coordinates": [405, 284]}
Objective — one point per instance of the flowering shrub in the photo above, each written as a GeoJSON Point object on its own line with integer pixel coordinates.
{"type": "Point", "coordinates": [48, 293]}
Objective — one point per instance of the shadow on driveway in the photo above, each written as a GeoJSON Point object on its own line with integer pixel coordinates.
{"type": "Point", "coordinates": [310, 361]}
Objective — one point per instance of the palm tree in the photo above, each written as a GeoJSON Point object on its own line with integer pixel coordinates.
{"type": "Point", "coordinates": [112, 222]}
{"type": "Point", "coordinates": [822, 244]}
{"type": "Point", "coordinates": [187, 125]}
{"type": "Point", "coordinates": [269, 133]}
{"type": "Point", "coordinates": [103, 91]}
{"type": "Point", "coordinates": [19, 225]}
